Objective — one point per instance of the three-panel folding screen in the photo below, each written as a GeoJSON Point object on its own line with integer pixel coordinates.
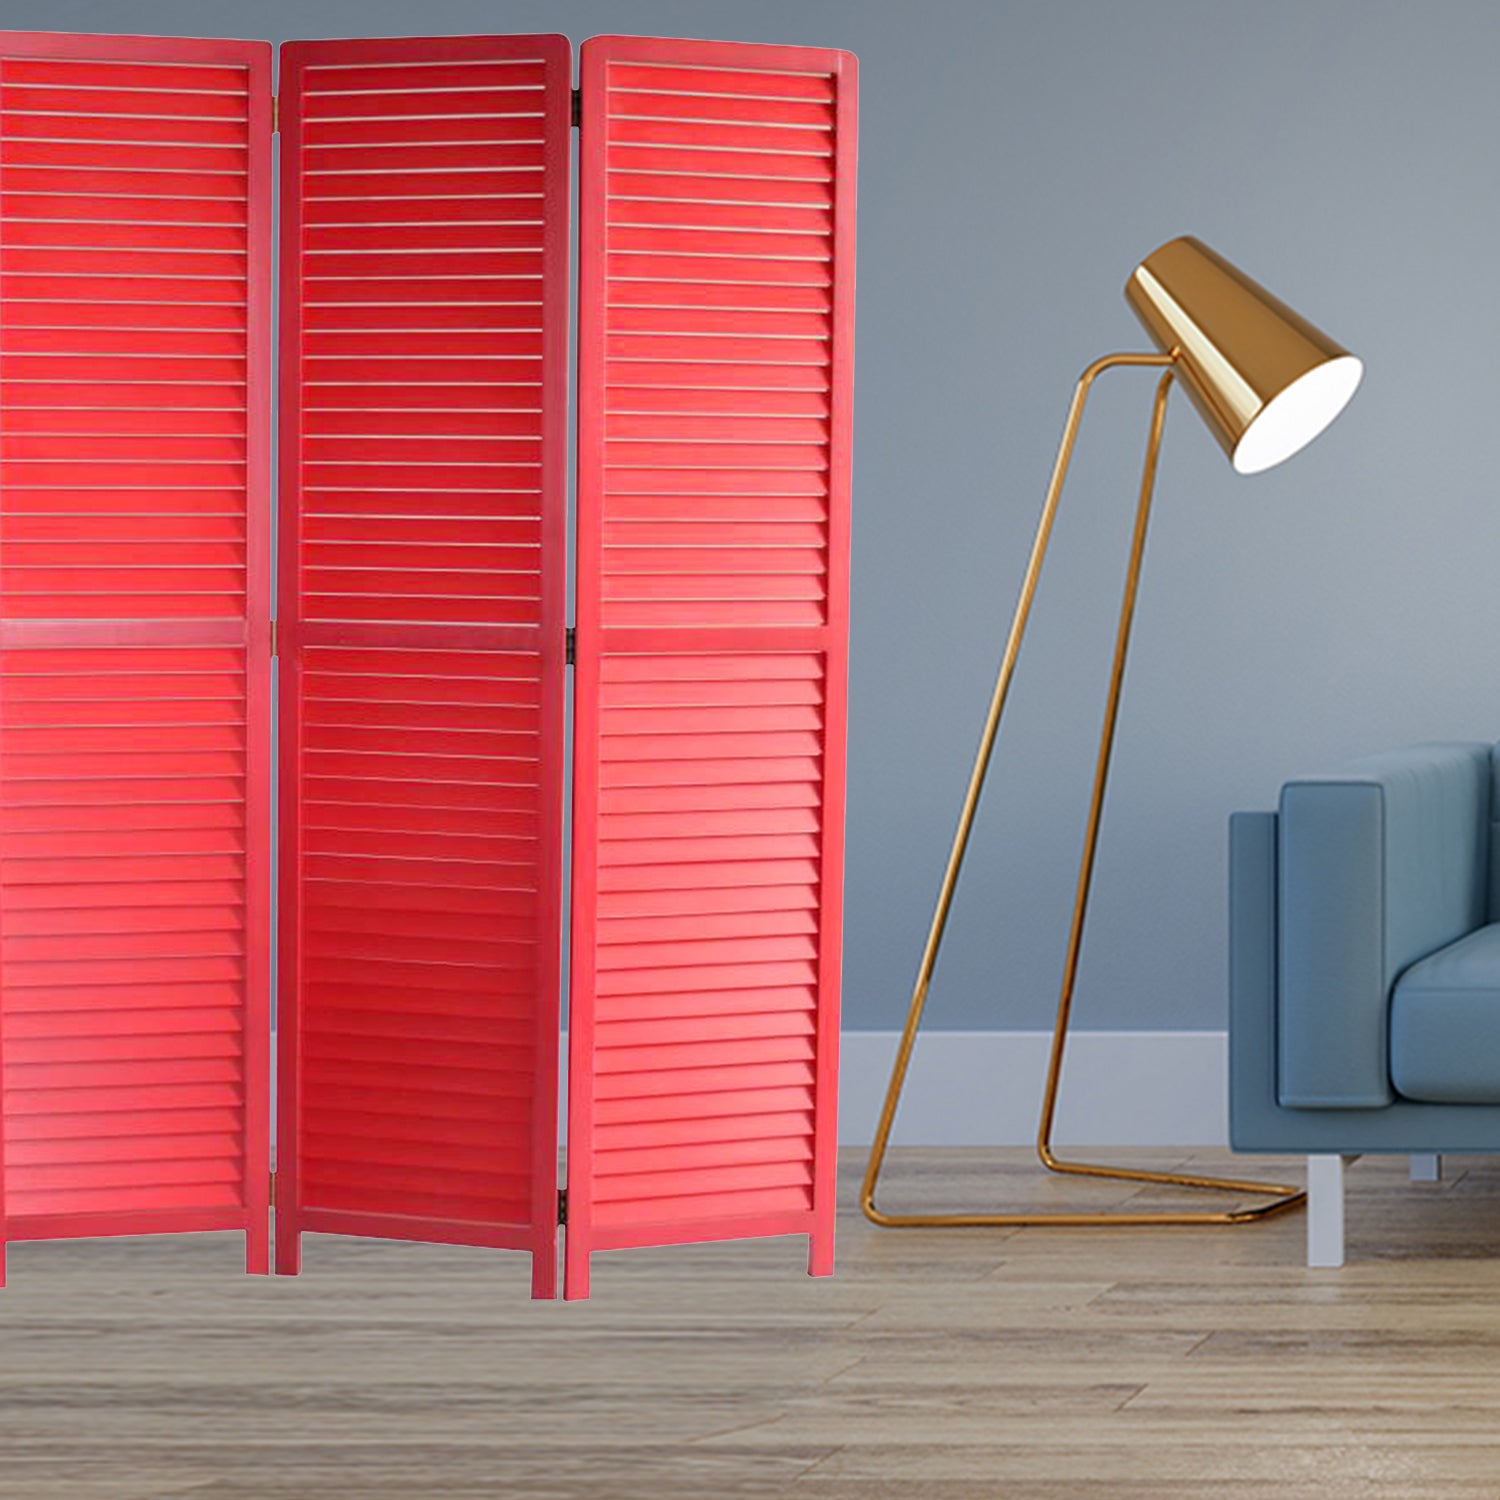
{"type": "Point", "coordinates": [421, 653]}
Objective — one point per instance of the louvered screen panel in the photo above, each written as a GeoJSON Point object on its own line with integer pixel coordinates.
{"type": "Point", "coordinates": [424, 348]}
{"type": "Point", "coordinates": [134, 634]}
{"type": "Point", "coordinates": [716, 305]}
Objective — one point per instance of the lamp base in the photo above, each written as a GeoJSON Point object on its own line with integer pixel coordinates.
{"type": "Point", "coordinates": [1286, 1199]}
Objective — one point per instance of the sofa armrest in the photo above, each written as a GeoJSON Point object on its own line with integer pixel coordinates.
{"type": "Point", "coordinates": [1380, 864]}
{"type": "Point", "coordinates": [1252, 974]}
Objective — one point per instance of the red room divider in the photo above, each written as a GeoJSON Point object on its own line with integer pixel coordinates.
{"type": "Point", "coordinates": [423, 639]}
{"type": "Point", "coordinates": [424, 349]}
{"type": "Point", "coordinates": [134, 635]}
{"type": "Point", "coordinates": [716, 293]}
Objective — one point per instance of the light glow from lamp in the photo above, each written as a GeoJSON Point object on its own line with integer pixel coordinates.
{"type": "Point", "coordinates": [1290, 421]}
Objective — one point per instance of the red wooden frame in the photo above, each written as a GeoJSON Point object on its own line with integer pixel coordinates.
{"type": "Point", "coordinates": [90, 635]}
{"type": "Point", "coordinates": [493, 643]}
{"type": "Point", "coordinates": [708, 621]}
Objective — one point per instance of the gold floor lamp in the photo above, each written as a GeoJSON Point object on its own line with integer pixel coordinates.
{"type": "Point", "coordinates": [1267, 383]}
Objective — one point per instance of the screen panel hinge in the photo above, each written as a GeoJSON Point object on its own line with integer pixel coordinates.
{"type": "Point", "coordinates": [562, 1206]}
{"type": "Point", "coordinates": [577, 118]}
{"type": "Point", "coordinates": [570, 648]}
{"type": "Point", "coordinates": [275, 113]}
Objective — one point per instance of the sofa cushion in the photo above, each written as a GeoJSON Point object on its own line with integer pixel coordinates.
{"type": "Point", "coordinates": [1445, 1023]}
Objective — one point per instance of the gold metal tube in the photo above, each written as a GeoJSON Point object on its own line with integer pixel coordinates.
{"type": "Point", "coordinates": [1101, 772]}
{"type": "Point", "coordinates": [1287, 1197]}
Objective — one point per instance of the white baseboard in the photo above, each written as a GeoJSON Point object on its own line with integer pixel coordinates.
{"type": "Point", "coordinates": [984, 1088]}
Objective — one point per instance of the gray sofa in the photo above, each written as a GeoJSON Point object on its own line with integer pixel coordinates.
{"type": "Point", "coordinates": [1365, 970]}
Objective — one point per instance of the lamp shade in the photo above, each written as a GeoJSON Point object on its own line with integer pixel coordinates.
{"type": "Point", "coordinates": [1264, 379]}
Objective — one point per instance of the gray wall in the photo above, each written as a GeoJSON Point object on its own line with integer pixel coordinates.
{"type": "Point", "coordinates": [1017, 160]}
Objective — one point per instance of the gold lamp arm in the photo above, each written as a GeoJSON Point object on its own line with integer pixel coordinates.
{"type": "Point", "coordinates": [1287, 1197]}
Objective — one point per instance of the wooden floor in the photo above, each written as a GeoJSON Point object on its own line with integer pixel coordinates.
{"type": "Point", "coordinates": [1130, 1365]}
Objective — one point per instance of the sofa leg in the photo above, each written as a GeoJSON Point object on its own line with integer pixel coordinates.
{"type": "Point", "coordinates": [1325, 1209]}
{"type": "Point", "coordinates": [1426, 1167]}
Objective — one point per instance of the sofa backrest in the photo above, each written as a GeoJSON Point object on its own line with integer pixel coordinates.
{"type": "Point", "coordinates": [1380, 864]}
